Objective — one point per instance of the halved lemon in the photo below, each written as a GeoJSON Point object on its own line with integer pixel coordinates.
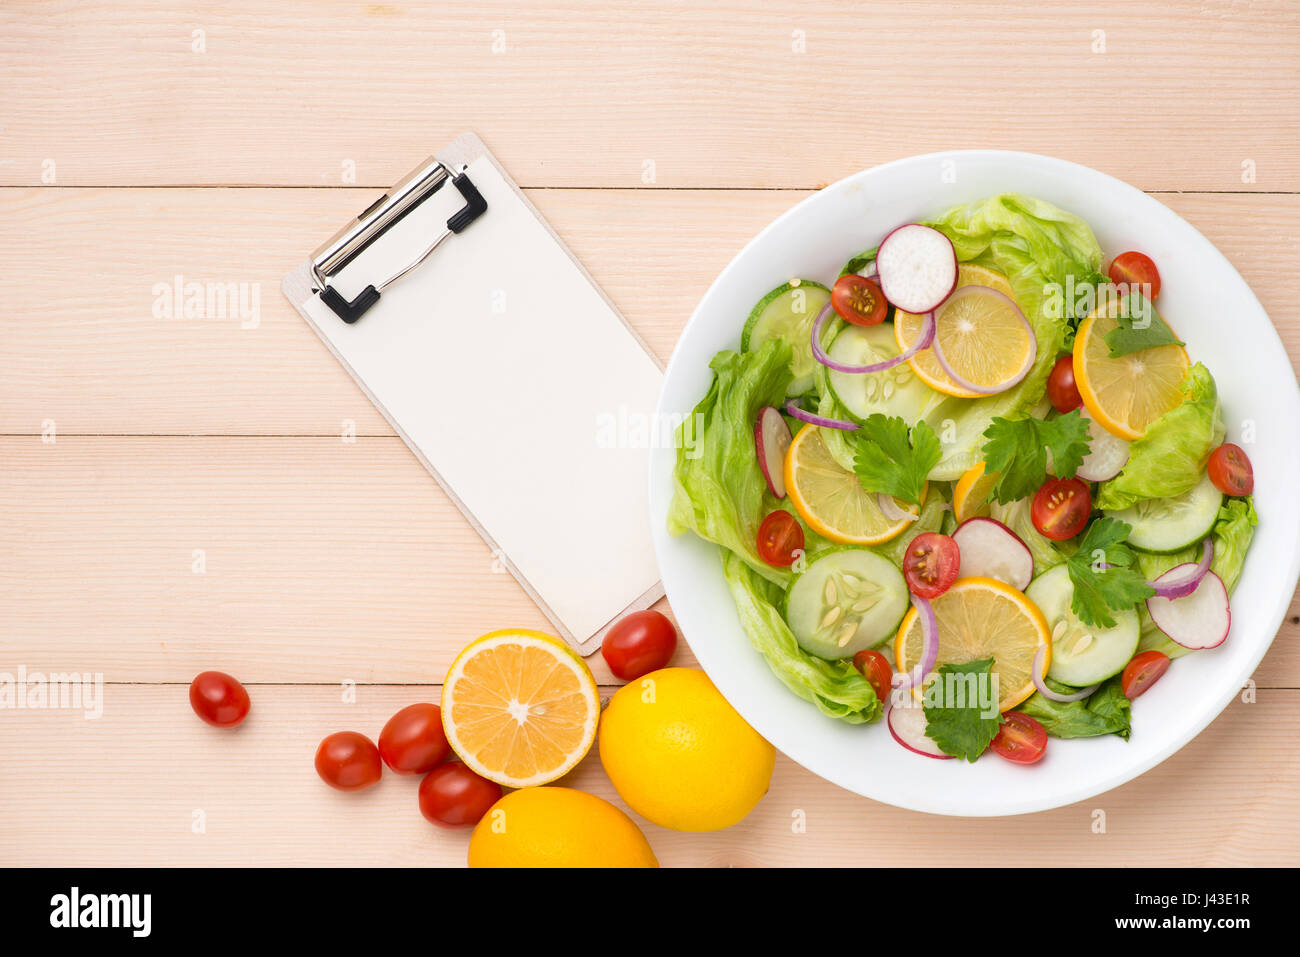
{"type": "Point", "coordinates": [972, 494]}
{"type": "Point", "coordinates": [520, 708]}
{"type": "Point", "coordinates": [907, 328]}
{"type": "Point", "coordinates": [1128, 393]}
{"type": "Point", "coordinates": [832, 500]}
{"type": "Point", "coordinates": [983, 618]}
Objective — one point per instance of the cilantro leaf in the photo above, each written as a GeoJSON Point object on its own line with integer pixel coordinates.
{"type": "Point", "coordinates": [1140, 327]}
{"type": "Point", "coordinates": [1017, 451]}
{"type": "Point", "coordinates": [955, 717]}
{"type": "Point", "coordinates": [1102, 575]}
{"type": "Point", "coordinates": [888, 461]}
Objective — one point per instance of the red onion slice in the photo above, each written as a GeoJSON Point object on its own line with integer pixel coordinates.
{"type": "Point", "coordinates": [929, 646]}
{"type": "Point", "coordinates": [923, 342]}
{"type": "Point", "coordinates": [963, 293]}
{"type": "Point", "coordinates": [1184, 585]}
{"type": "Point", "coordinates": [1047, 692]}
{"type": "Point", "coordinates": [792, 407]}
{"type": "Point", "coordinates": [889, 508]}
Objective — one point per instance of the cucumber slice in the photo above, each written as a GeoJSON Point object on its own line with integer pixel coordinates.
{"type": "Point", "coordinates": [895, 391]}
{"type": "Point", "coordinates": [1170, 524]}
{"type": "Point", "coordinates": [788, 312]}
{"type": "Point", "coordinates": [848, 599]}
{"type": "Point", "coordinates": [1082, 655]}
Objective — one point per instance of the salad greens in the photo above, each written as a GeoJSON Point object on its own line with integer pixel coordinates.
{"type": "Point", "coordinates": [724, 489]}
{"type": "Point", "coordinates": [1170, 458]}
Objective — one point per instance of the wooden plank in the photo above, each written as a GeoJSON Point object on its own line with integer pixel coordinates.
{"type": "Point", "coordinates": [131, 786]}
{"type": "Point", "coordinates": [84, 350]}
{"type": "Point", "coordinates": [587, 94]}
{"type": "Point", "coordinates": [321, 561]}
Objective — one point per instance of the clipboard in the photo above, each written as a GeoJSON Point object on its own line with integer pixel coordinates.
{"type": "Point", "coordinates": [508, 373]}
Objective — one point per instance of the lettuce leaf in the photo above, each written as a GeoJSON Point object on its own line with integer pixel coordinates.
{"type": "Point", "coordinates": [1105, 711]}
{"type": "Point", "coordinates": [835, 687]}
{"type": "Point", "coordinates": [720, 493]}
{"type": "Point", "coordinates": [1233, 531]}
{"type": "Point", "coordinates": [1171, 457]}
{"type": "Point", "coordinates": [1038, 247]}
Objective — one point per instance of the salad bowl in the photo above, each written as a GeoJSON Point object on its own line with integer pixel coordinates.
{"type": "Point", "coordinates": [1222, 323]}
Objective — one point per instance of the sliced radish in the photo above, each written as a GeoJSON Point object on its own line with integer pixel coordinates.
{"type": "Point", "coordinates": [1107, 455]}
{"type": "Point", "coordinates": [907, 724]}
{"type": "Point", "coordinates": [771, 441]}
{"type": "Point", "coordinates": [1199, 620]}
{"type": "Point", "coordinates": [991, 550]}
{"type": "Point", "coordinates": [917, 267]}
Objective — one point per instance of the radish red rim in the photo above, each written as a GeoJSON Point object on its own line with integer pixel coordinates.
{"type": "Point", "coordinates": [917, 268]}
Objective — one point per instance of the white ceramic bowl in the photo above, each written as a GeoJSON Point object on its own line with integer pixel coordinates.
{"type": "Point", "coordinates": [1224, 326]}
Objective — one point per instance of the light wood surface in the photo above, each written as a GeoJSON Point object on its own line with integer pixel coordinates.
{"type": "Point", "coordinates": [126, 159]}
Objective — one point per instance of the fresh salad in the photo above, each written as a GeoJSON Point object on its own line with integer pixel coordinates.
{"type": "Point", "coordinates": [974, 486]}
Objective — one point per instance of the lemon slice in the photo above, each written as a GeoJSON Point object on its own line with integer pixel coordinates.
{"type": "Point", "coordinates": [519, 708]}
{"type": "Point", "coordinates": [1128, 393]}
{"type": "Point", "coordinates": [831, 500]}
{"type": "Point", "coordinates": [982, 618]}
{"type": "Point", "coordinates": [971, 496]}
{"type": "Point", "coordinates": [907, 329]}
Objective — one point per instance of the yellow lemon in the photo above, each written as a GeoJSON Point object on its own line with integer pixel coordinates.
{"type": "Point", "coordinates": [972, 493]}
{"type": "Point", "coordinates": [557, 827]}
{"type": "Point", "coordinates": [680, 755]}
{"type": "Point", "coordinates": [519, 708]}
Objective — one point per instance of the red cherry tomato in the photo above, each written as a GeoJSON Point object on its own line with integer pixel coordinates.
{"type": "Point", "coordinates": [1061, 508]}
{"type": "Point", "coordinates": [1231, 471]}
{"type": "Point", "coordinates": [412, 741]}
{"type": "Point", "coordinates": [1134, 269]}
{"type": "Point", "coordinates": [348, 761]}
{"type": "Point", "coordinates": [219, 699]}
{"type": "Point", "coordinates": [1060, 386]}
{"type": "Point", "coordinates": [859, 300]}
{"type": "Point", "coordinates": [875, 668]}
{"type": "Point", "coordinates": [780, 539]}
{"type": "Point", "coordinates": [640, 643]}
{"type": "Point", "coordinates": [1020, 738]}
{"type": "Point", "coordinates": [930, 564]}
{"type": "Point", "coordinates": [1142, 672]}
{"type": "Point", "coordinates": [454, 796]}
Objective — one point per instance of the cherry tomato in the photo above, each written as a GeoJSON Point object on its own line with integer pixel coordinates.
{"type": "Point", "coordinates": [780, 539]}
{"type": "Point", "coordinates": [1061, 508]}
{"type": "Point", "coordinates": [454, 796]}
{"type": "Point", "coordinates": [1142, 672]}
{"type": "Point", "coordinates": [875, 668]}
{"type": "Point", "coordinates": [930, 564]}
{"type": "Point", "coordinates": [412, 741]}
{"type": "Point", "coordinates": [640, 643]}
{"type": "Point", "coordinates": [219, 699]}
{"type": "Point", "coordinates": [1134, 269]}
{"type": "Point", "coordinates": [348, 761]}
{"type": "Point", "coordinates": [1060, 386]}
{"type": "Point", "coordinates": [859, 300]}
{"type": "Point", "coordinates": [1231, 471]}
{"type": "Point", "coordinates": [1020, 738]}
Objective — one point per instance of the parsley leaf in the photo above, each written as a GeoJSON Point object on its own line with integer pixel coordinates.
{"type": "Point", "coordinates": [888, 461]}
{"type": "Point", "coordinates": [1017, 451]}
{"type": "Point", "coordinates": [955, 718]}
{"type": "Point", "coordinates": [1101, 574]}
{"type": "Point", "coordinates": [1140, 327]}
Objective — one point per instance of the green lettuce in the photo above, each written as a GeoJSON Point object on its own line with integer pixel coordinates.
{"type": "Point", "coordinates": [1043, 251]}
{"type": "Point", "coordinates": [837, 688]}
{"type": "Point", "coordinates": [1105, 711]}
{"type": "Point", "coordinates": [1170, 458]}
{"type": "Point", "coordinates": [1233, 531]}
{"type": "Point", "coordinates": [719, 492]}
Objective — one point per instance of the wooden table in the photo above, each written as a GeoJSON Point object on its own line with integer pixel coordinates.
{"type": "Point", "coordinates": [176, 495]}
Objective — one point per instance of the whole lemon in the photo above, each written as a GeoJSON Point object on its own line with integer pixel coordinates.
{"type": "Point", "coordinates": [557, 827]}
{"type": "Point", "coordinates": [680, 755]}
